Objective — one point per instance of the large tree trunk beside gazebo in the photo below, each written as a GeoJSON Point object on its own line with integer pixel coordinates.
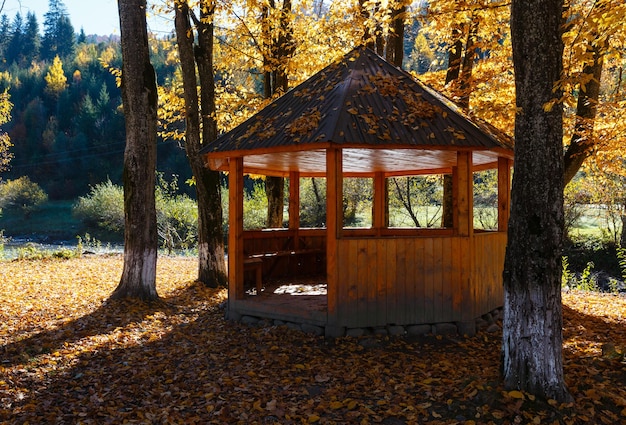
{"type": "Point", "coordinates": [211, 264]}
{"type": "Point", "coordinates": [532, 327]}
{"type": "Point", "coordinates": [139, 95]}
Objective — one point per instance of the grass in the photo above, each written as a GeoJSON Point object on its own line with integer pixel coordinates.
{"type": "Point", "coordinates": [53, 221]}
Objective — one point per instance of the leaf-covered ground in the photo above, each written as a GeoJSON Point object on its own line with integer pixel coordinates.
{"type": "Point", "coordinates": [70, 357]}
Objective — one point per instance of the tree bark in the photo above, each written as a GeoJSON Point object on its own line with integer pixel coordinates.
{"type": "Point", "coordinates": [275, 189]}
{"type": "Point", "coordinates": [532, 327]}
{"type": "Point", "coordinates": [278, 42]}
{"type": "Point", "coordinates": [212, 269]}
{"type": "Point", "coordinates": [452, 76]}
{"type": "Point", "coordinates": [465, 88]}
{"type": "Point", "coordinates": [395, 39]}
{"type": "Point", "coordinates": [211, 264]}
{"type": "Point", "coordinates": [139, 96]}
{"type": "Point", "coordinates": [582, 142]}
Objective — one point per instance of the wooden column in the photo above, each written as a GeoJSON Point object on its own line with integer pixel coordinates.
{"type": "Point", "coordinates": [235, 229]}
{"type": "Point", "coordinates": [380, 214]}
{"type": "Point", "coordinates": [463, 190]}
{"type": "Point", "coordinates": [504, 193]}
{"type": "Point", "coordinates": [294, 200]}
{"type": "Point", "coordinates": [463, 193]}
{"type": "Point", "coordinates": [294, 207]}
{"type": "Point", "coordinates": [334, 224]}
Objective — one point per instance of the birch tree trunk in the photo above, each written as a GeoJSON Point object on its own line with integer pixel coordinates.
{"type": "Point", "coordinates": [532, 326]}
{"type": "Point", "coordinates": [139, 96]}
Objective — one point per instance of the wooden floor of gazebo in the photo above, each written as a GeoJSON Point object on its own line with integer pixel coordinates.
{"type": "Point", "coordinates": [301, 300]}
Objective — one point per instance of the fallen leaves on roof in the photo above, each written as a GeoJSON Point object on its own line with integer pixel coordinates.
{"type": "Point", "coordinates": [70, 356]}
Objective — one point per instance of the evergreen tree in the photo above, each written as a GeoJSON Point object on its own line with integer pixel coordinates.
{"type": "Point", "coordinates": [5, 30]}
{"type": "Point", "coordinates": [58, 37]}
{"type": "Point", "coordinates": [32, 40]}
{"type": "Point", "coordinates": [82, 37]}
{"type": "Point", "coordinates": [16, 38]}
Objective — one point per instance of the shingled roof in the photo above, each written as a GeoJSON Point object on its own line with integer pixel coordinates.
{"type": "Point", "coordinates": [360, 102]}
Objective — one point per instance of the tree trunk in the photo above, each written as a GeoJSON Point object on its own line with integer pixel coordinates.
{"type": "Point", "coordinates": [532, 326]}
{"type": "Point", "coordinates": [454, 57]}
{"type": "Point", "coordinates": [211, 264]}
{"type": "Point", "coordinates": [278, 42]}
{"type": "Point", "coordinates": [582, 143]}
{"type": "Point", "coordinates": [622, 238]}
{"type": "Point", "coordinates": [212, 270]}
{"type": "Point", "coordinates": [139, 95]}
{"type": "Point", "coordinates": [452, 76]}
{"type": "Point", "coordinates": [395, 39]}
{"type": "Point", "coordinates": [465, 88]}
{"type": "Point", "coordinates": [275, 189]}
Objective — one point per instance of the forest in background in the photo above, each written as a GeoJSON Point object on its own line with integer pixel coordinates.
{"type": "Point", "coordinates": [67, 128]}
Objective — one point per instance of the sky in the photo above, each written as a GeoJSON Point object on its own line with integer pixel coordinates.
{"type": "Point", "coordinates": [94, 16]}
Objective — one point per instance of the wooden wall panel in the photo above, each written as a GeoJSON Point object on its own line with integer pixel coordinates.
{"type": "Point", "coordinates": [429, 280]}
{"type": "Point", "coordinates": [417, 273]}
{"type": "Point", "coordinates": [379, 274]}
{"type": "Point", "coordinates": [456, 274]}
{"type": "Point", "coordinates": [391, 277]}
{"type": "Point", "coordinates": [489, 250]}
{"type": "Point", "coordinates": [418, 280]}
{"type": "Point", "coordinates": [401, 278]}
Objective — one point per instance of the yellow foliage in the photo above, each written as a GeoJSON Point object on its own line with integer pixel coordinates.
{"type": "Point", "coordinates": [56, 81]}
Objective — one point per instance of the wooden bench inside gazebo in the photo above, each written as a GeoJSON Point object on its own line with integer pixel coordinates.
{"type": "Point", "coordinates": [362, 117]}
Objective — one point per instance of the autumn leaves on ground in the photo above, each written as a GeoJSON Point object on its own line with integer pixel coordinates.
{"type": "Point", "coordinates": [70, 357]}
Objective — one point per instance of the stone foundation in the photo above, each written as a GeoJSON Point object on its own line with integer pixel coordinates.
{"type": "Point", "coordinates": [487, 323]}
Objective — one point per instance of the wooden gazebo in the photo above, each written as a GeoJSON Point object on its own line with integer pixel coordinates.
{"type": "Point", "coordinates": [364, 117]}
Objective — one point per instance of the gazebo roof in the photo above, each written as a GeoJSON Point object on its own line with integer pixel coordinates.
{"type": "Point", "coordinates": [382, 118]}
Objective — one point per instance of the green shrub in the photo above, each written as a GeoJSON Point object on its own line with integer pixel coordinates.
{"type": "Point", "coordinates": [566, 277]}
{"type": "Point", "coordinates": [103, 207]}
{"type": "Point", "coordinates": [177, 215]}
{"type": "Point", "coordinates": [587, 281]}
{"type": "Point", "coordinates": [22, 194]}
{"type": "Point", "coordinates": [31, 251]}
{"type": "Point", "coordinates": [312, 202]}
{"type": "Point", "coordinates": [177, 221]}
{"type": "Point", "coordinates": [621, 258]}
{"type": "Point", "coordinates": [255, 207]}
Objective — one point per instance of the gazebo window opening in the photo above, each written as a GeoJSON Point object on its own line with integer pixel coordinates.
{"type": "Point", "coordinates": [312, 202]}
{"type": "Point", "coordinates": [254, 204]}
{"type": "Point", "coordinates": [357, 202]}
{"type": "Point", "coordinates": [415, 201]}
{"type": "Point", "coordinates": [485, 200]}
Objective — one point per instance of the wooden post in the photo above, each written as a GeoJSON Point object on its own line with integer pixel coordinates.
{"type": "Point", "coordinates": [463, 195]}
{"type": "Point", "coordinates": [294, 200]}
{"type": "Point", "coordinates": [504, 193]}
{"type": "Point", "coordinates": [235, 229]}
{"type": "Point", "coordinates": [294, 207]}
{"type": "Point", "coordinates": [334, 225]}
{"type": "Point", "coordinates": [380, 211]}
